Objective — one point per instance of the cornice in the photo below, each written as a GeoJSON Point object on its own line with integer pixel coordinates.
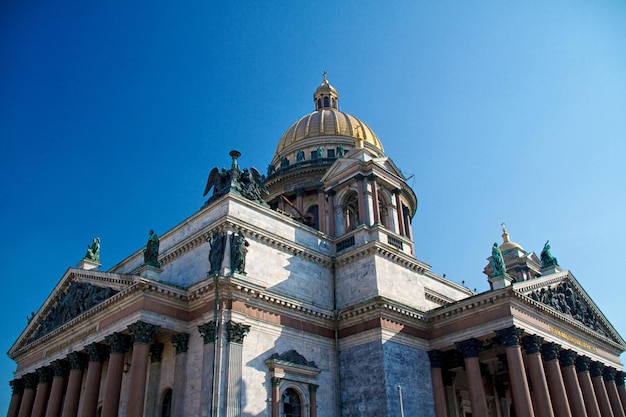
{"type": "Point", "coordinates": [384, 250]}
{"type": "Point", "coordinates": [461, 307]}
{"type": "Point", "coordinates": [385, 307]}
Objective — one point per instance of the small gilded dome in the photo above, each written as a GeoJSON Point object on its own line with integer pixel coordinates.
{"type": "Point", "coordinates": [507, 245]}
{"type": "Point", "coordinates": [327, 127]}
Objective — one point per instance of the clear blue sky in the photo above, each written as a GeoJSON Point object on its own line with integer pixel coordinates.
{"type": "Point", "coordinates": [113, 113]}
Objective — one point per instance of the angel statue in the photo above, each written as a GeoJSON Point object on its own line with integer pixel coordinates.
{"type": "Point", "coordinates": [251, 184]}
{"type": "Point", "coordinates": [220, 181]}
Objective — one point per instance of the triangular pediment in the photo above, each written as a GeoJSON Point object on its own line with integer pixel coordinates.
{"type": "Point", "coordinates": [563, 294]}
{"type": "Point", "coordinates": [360, 160]}
{"type": "Point", "coordinates": [77, 292]}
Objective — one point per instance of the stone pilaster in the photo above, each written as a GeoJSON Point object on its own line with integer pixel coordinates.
{"type": "Point", "coordinates": [78, 363]}
{"type": "Point", "coordinates": [154, 378]}
{"type": "Point", "coordinates": [235, 333]}
{"type": "Point", "coordinates": [43, 392]}
{"type": "Point", "coordinates": [439, 393]}
{"type": "Point", "coordinates": [28, 398]}
{"type": "Point", "coordinates": [60, 370]}
{"type": "Point", "coordinates": [313, 397]}
{"type": "Point", "coordinates": [119, 344]}
{"type": "Point", "coordinates": [470, 349]}
{"type": "Point", "coordinates": [541, 394]}
{"type": "Point", "coordinates": [586, 386]}
{"type": "Point", "coordinates": [596, 369]}
{"type": "Point", "coordinates": [276, 397]}
{"type": "Point", "coordinates": [517, 374]}
{"type": "Point", "coordinates": [142, 336]}
{"type": "Point", "coordinates": [181, 344]}
{"type": "Point", "coordinates": [611, 389]}
{"type": "Point", "coordinates": [567, 360]}
{"type": "Point", "coordinates": [17, 391]}
{"type": "Point", "coordinates": [208, 332]}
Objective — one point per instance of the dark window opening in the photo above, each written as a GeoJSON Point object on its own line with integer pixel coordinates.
{"type": "Point", "coordinates": [292, 406]}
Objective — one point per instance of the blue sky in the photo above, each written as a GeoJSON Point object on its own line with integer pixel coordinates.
{"type": "Point", "coordinates": [113, 113]}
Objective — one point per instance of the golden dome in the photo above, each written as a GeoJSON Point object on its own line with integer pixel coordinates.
{"type": "Point", "coordinates": [507, 244]}
{"type": "Point", "coordinates": [327, 127]}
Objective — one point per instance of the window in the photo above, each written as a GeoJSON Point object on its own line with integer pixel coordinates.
{"type": "Point", "coordinates": [326, 103]}
{"type": "Point", "coordinates": [319, 103]}
{"type": "Point", "coordinates": [291, 404]}
{"type": "Point", "coordinates": [166, 403]}
{"type": "Point", "coordinates": [330, 153]}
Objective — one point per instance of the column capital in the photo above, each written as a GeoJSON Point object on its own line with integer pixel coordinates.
{"type": "Point", "coordinates": [532, 343]}
{"type": "Point", "coordinates": [60, 367]}
{"type": "Point", "coordinates": [300, 192]}
{"type": "Point", "coordinates": [17, 386]}
{"type": "Point", "coordinates": [609, 373]}
{"type": "Point", "coordinates": [97, 352]}
{"type": "Point", "coordinates": [236, 332]}
{"type": "Point", "coordinates": [510, 336]}
{"type": "Point", "coordinates": [44, 374]}
{"type": "Point", "coordinates": [619, 378]}
{"type": "Point", "coordinates": [470, 348]}
{"type": "Point", "coordinates": [313, 387]}
{"type": "Point", "coordinates": [30, 381]}
{"type": "Point", "coordinates": [180, 342]}
{"type": "Point", "coordinates": [359, 177]}
{"type": "Point", "coordinates": [397, 191]}
{"type": "Point", "coordinates": [142, 332]}
{"type": "Point", "coordinates": [208, 331]}
{"type": "Point", "coordinates": [596, 369]}
{"type": "Point", "coordinates": [372, 177]}
{"type": "Point", "coordinates": [567, 357]}
{"type": "Point", "coordinates": [582, 364]}
{"type": "Point", "coordinates": [156, 352]}
{"type": "Point", "coordinates": [331, 193]}
{"type": "Point", "coordinates": [77, 360]}
{"type": "Point", "coordinates": [550, 351]}
{"type": "Point", "coordinates": [118, 342]}
{"type": "Point", "coordinates": [436, 358]}
{"type": "Point", "coordinates": [276, 381]}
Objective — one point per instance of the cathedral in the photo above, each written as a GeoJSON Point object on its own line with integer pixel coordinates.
{"type": "Point", "coordinates": [296, 292]}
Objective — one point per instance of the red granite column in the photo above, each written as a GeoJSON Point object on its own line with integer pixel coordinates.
{"type": "Point", "coordinates": [584, 379]}
{"type": "Point", "coordinates": [517, 373]}
{"type": "Point", "coordinates": [399, 212]}
{"type": "Point", "coordinates": [72, 396]}
{"type": "Point", "coordinates": [439, 393]}
{"type": "Point", "coordinates": [28, 398]}
{"type": "Point", "coordinates": [609, 382]}
{"type": "Point", "coordinates": [372, 179]}
{"type": "Point", "coordinates": [331, 213]}
{"type": "Point", "coordinates": [361, 198]}
{"type": "Point", "coordinates": [43, 391]}
{"type": "Point", "coordinates": [17, 388]}
{"type": "Point", "coordinates": [142, 335]}
{"type": "Point", "coordinates": [470, 349]}
{"type": "Point", "coordinates": [313, 396]}
{"type": "Point", "coordinates": [60, 371]}
{"type": "Point", "coordinates": [542, 403]}
{"type": "Point", "coordinates": [550, 354]}
{"type": "Point", "coordinates": [119, 345]}
{"type": "Point", "coordinates": [621, 389]}
{"type": "Point", "coordinates": [321, 211]}
{"type": "Point", "coordinates": [275, 397]}
{"type": "Point", "coordinates": [567, 359]}
{"type": "Point", "coordinates": [97, 354]}
{"type": "Point", "coordinates": [596, 369]}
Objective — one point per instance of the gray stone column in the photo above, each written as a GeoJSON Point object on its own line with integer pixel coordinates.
{"type": "Point", "coordinates": [17, 390]}
{"type": "Point", "coordinates": [28, 397]}
{"type": "Point", "coordinates": [599, 388]}
{"type": "Point", "coordinates": [542, 403]}
{"type": "Point", "coordinates": [584, 379]}
{"type": "Point", "coordinates": [142, 336]}
{"type": "Point", "coordinates": [439, 393]}
{"type": "Point", "coordinates": [567, 359]}
{"type": "Point", "coordinates": [154, 378]}
{"type": "Point", "coordinates": [550, 354]}
{"type": "Point", "coordinates": [208, 333]}
{"type": "Point", "coordinates": [621, 389]}
{"type": "Point", "coordinates": [119, 344]}
{"type": "Point", "coordinates": [43, 392]}
{"type": "Point", "coordinates": [376, 208]}
{"type": "Point", "coordinates": [609, 382]}
{"type": "Point", "coordinates": [77, 361]}
{"type": "Point", "coordinates": [361, 198]}
{"type": "Point", "coordinates": [470, 349]}
{"type": "Point", "coordinates": [517, 374]}
{"type": "Point", "coordinates": [181, 344]}
{"type": "Point", "coordinates": [399, 212]}
{"type": "Point", "coordinates": [235, 334]}
{"type": "Point", "coordinates": [60, 370]}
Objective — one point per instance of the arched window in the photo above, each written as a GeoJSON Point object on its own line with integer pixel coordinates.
{"type": "Point", "coordinates": [319, 103]}
{"type": "Point", "coordinates": [312, 218]}
{"type": "Point", "coordinates": [291, 404]}
{"type": "Point", "coordinates": [326, 104]}
{"type": "Point", "coordinates": [166, 403]}
{"type": "Point", "coordinates": [351, 211]}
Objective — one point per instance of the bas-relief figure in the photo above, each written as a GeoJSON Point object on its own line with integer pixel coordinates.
{"type": "Point", "coordinates": [151, 252]}
{"type": "Point", "coordinates": [93, 250]}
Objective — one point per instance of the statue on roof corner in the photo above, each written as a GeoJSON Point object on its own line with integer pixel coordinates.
{"type": "Point", "coordinates": [497, 262]}
{"type": "Point", "coordinates": [248, 183]}
{"type": "Point", "coordinates": [151, 251]}
{"type": "Point", "coordinates": [93, 251]}
{"type": "Point", "coordinates": [546, 257]}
